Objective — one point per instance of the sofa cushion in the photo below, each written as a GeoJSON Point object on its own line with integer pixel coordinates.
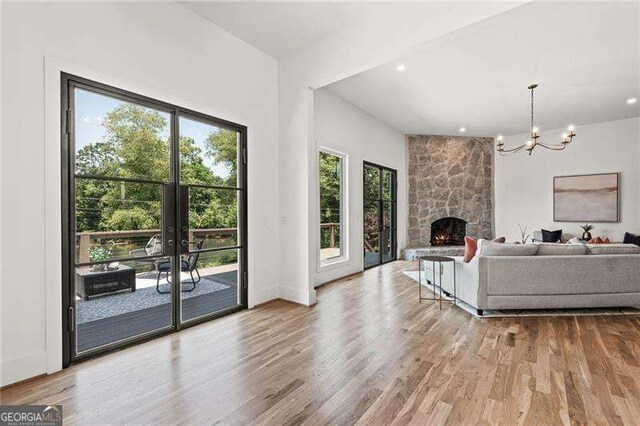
{"type": "Point", "coordinates": [490, 248]}
{"type": "Point", "coordinates": [551, 236]}
{"type": "Point", "coordinates": [631, 239]}
{"type": "Point", "coordinates": [597, 249]}
{"type": "Point", "coordinates": [551, 249]}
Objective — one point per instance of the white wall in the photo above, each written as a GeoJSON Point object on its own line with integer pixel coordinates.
{"type": "Point", "coordinates": [361, 46]}
{"type": "Point", "coordinates": [524, 184]}
{"type": "Point", "coordinates": [343, 127]}
{"type": "Point", "coordinates": [159, 49]}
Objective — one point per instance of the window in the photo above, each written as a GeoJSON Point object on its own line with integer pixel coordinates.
{"type": "Point", "coordinates": [332, 201]}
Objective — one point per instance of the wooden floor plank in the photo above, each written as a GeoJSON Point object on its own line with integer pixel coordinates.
{"type": "Point", "coordinates": [367, 353]}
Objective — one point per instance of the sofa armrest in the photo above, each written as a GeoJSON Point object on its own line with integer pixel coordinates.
{"type": "Point", "coordinates": [467, 279]}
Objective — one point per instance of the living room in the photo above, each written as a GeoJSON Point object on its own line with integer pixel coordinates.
{"type": "Point", "coordinates": [285, 213]}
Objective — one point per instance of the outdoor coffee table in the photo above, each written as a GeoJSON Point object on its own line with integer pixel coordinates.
{"type": "Point", "coordinates": [91, 283]}
{"type": "Point", "coordinates": [439, 260]}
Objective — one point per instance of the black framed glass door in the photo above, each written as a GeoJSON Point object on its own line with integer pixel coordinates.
{"type": "Point", "coordinates": [211, 209]}
{"type": "Point", "coordinates": [154, 217]}
{"type": "Point", "coordinates": [379, 214]}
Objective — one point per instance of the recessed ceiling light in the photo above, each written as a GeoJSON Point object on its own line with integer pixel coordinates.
{"type": "Point", "coordinates": [401, 67]}
{"type": "Point", "coordinates": [462, 129]}
{"type": "Point", "coordinates": [632, 101]}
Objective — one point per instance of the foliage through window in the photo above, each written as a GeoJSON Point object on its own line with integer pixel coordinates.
{"type": "Point", "coordinates": [119, 139]}
{"type": "Point", "coordinates": [331, 202]}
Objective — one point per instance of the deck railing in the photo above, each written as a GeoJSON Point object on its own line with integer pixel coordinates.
{"type": "Point", "coordinates": [84, 239]}
{"type": "Point", "coordinates": [332, 232]}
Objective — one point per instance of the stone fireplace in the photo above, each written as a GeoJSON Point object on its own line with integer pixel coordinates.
{"type": "Point", "coordinates": [450, 183]}
{"type": "Point", "coordinates": [448, 231]}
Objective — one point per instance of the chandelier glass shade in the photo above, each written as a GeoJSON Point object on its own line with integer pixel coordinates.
{"type": "Point", "coordinates": [533, 142]}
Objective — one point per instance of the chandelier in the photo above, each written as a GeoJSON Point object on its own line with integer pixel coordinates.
{"type": "Point", "coordinates": [532, 143]}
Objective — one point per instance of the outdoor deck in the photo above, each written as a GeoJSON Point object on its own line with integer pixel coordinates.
{"type": "Point", "coordinates": [115, 317]}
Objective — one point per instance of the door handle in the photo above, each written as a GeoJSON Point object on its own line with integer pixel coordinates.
{"type": "Point", "coordinates": [170, 243]}
{"type": "Point", "coordinates": [184, 243]}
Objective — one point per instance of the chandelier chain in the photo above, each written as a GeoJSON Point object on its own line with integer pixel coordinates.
{"type": "Point", "coordinates": [532, 109]}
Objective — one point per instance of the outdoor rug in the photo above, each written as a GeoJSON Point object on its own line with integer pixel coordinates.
{"type": "Point", "coordinates": [488, 313]}
{"type": "Point", "coordinates": [122, 303]}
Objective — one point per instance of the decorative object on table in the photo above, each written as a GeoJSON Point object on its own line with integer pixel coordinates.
{"type": "Point", "coordinates": [523, 234]}
{"type": "Point", "coordinates": [532, 143]}
{"type": "Point", "coordinates": [436, 260]}
{"type": "Point", "coordinates": [586, 235]}
{"type": "Point", "coordinates": [586, 198]}
{"type": "Point", "coordinates": [113, 266]}
{"type": "Point", "coordinates": [99, 254]}
{"type": "Point", "coordinates": [631, 239]}
{"type": "Point", "coordinates": [551, 236]}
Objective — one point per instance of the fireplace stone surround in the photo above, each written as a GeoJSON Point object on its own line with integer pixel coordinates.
{"type": "Point", "coordinates": [449, 177]}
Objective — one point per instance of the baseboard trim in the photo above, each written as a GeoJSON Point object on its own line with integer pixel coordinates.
{"type": "Point", "coordinates": [297, 296]}
{"type": "Point", "coordinates": [23, 368]}
{"type": "Point", "coordinates": [264, 296]}
{"type": "Point", "coordinates": [279, 299]}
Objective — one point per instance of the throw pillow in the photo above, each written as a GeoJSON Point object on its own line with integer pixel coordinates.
{"type": "Point", "coordinates": [470, 248]}
{"type": "Point", "coordinates": [551, 236]}
{"type": "Point", "coordinates": [606, 241]}
{"type": "Point", "coordinates": [631, 239]}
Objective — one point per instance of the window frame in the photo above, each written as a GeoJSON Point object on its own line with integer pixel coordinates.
{"type": "Point", "coordinates": [337, 261]}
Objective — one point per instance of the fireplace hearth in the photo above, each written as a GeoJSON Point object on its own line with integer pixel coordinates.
{"type": "Point", "coordinates": [448, 231]}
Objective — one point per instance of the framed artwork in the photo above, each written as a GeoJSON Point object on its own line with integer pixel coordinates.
{"type": "Point", "coordinates": [586, 198]}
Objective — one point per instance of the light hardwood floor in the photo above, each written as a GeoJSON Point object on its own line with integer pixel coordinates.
{"type": "Point", "coordinates": [368, 353]}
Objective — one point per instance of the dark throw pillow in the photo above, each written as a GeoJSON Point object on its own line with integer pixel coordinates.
{"type": "Point", "coordinates": [551, 236]}
{"type": "Point", "coordinates": [631, 239]}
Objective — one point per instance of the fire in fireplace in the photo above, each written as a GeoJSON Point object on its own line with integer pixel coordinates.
{"type": "Point", "coordinates": [448, 231]}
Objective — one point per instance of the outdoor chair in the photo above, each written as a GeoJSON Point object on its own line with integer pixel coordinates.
{"type": "Point", "coordinates": [190, 265]}
{"type": "Point", "coordinates": [153, 247]}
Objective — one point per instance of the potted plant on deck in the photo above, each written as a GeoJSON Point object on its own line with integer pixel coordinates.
{"type": "Point", "coordinates": [99, 254]}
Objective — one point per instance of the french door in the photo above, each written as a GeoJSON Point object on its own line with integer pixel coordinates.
{"type": "Point", "coordinates": [154, 217]}
{"type": "Point", "coordinates": [379, 214]}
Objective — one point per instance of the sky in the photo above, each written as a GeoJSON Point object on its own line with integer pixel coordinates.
{"type": "Point", "coordinates": [91, 108]}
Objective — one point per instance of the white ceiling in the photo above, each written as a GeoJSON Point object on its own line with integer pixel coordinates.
{"type": "Point", "coordinates": [584, 56]}
{"type": "Point", "coordinates": [280, 28]}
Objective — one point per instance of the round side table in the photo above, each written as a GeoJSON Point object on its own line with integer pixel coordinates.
{"type": "Point", "coordinates": [439, 260]}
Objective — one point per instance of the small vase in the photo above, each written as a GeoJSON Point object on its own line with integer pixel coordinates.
{"type": "Point", "coordinates": [586, 236]}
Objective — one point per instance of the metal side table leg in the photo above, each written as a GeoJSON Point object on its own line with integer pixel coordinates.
{"type": "Point", "coordinates": [419, 280]}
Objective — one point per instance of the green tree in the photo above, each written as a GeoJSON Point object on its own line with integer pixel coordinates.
{"type": "Point", "coordinates": [330, 176]}
{"type": "Point", "coordinates": [136, 145]}
{"type": "Point", "coordinates": [222, 148]}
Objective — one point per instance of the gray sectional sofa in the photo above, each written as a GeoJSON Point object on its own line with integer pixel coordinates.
{"type": "Point", "coordinates": [546, 276]}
